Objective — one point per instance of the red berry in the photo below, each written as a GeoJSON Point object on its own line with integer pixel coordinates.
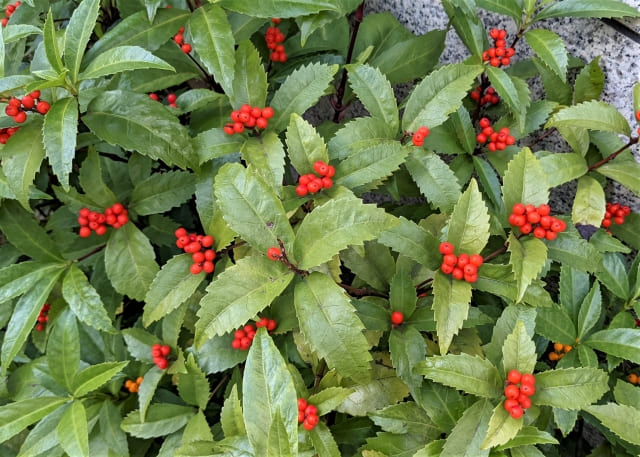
{"type": "Point", "coordinates": [39, 327]}
{"type": "Point", "coordinates": [446, 269]}
{"type": "Point", "coordinates": [163, 364]}
{"type": "Point", "coordinates": [271, 325]}
{"type": "Point", "coordinates": [471, 278]}
{"type": "Point", "coordinates": [180, 232]}
{"type": "Point", "coordinates": [528, 378]}
{"type": "Point", "coordinates": [196, 268]}
{"type": "Point", "coordinates": [235, 344]}
{"type": "Point", "coordinates": [397, 317]}
{"type": "Point", "coordinates": [186, 48]}
{"type": "Point", "coordinates": [484, 123]}
{"type": "Point", "coordinates": [267, 112]}
{"type": "Point", "coordinates": [514, 376]}
{"type": "Point", "coordinates": [457, 273]}
{"type": "Point", "coordinates": [525, 402]}
{"type": "Point", "coordinates": [527, 389]}
{"type": "Point", "coordinates": [208, 266]}
{"type": "Point", "coordinates": [274, 253]}
{"type": "Point", "coordinates": [330, 171]}
{"type": "Point", "coordinates": [450, 259]}
{"type": "Point", "coordinates": [28, 102]}
{"type": "Point", "coordinates": [171, 98]}
{"type": "Point", "coordinates": [308, 425]}
{"type": "Point", "coordinates": [302, 190]}
{"type": "Point", "coordinates": [476, 259]}
{"type": "Point", "coordinates": [314, 186]}
{"type": "Point", "coordinates": [156, 352]}
{"type": "Point", "coordinates": [470, 269]}
{"type": "Point", "coordinates": [43, 107]}
{"type": "Point", "coordinates": [463, 260]}
{"type": "Point", "coordinates": [510, 403]}
{"type": "Point", "coordinates": [526, 229]}
{"type": "Point", "coordinates": [238, 127]}
{"type": "Point", "coordinates": [539, 232]}
{"type": "Point", "coordinates": [85, 232]}
{"type": "Point", "coordinates": [20, 117]}
{"type": "Point", "coordinates": [101, 230]}
{"type": "Point", "coordinates": [446, 248]}
{"type": "Point", "coordinates": [326, 183]}
{"type": "Point", "coordinates": [512, 391]}
{"type": "Point", "coordinates": [550, 235]}
{"type": "Point", "coordinates": [558, 225]}
{"type": "Point", "coordinates": [516, 412]}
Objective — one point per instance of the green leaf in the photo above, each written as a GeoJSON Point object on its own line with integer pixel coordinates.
{"type": "Point", "coordinates": [438, 95]}
{"type": "Point", "coordinates": [193, 385]}
{"type": "Point", "coordinates": [329, 324]}
{"type": "Point", "coordinates": [620, 342]}
{"type": "Point", "coordinates": [555, 324]}
{"type": "Point", "coordinates": [300, 91]}
{"type": "Point", "coordinates": [413, 241]}
{"type": "Point", "coordinates": [384, 389]}
{"type": "Point", "coordinates": [365, 167]}
{"type": "Point", "coordinates": [528, 436]}
{"type": "Point", "coordinates": [265, 156]}
{"type": "Point", "coordinates": [213, 41]}
{"type": "Point", "coordinates": [161, 192]}
{"type": "Point", "coordinates": [214, 143]}
{"type": "Point", "coordinates": [451, 300]}
{"type": "Point", "coordinates": [571, 388]}
{"type": "Point", "coordinates": [151, 129]}
{"type": "Point", "coordinates": [251, 208]}
{"type": "Point", "coordinates": [328, 399]}
{"type": "Point", "coordinates": [23, 319]}
{"type": "Point", "coordinates": [277, 440]}
{"type": "Point", "coordinates": [16, 416]}
{"type": "Point", "coordinates": [469, 223]}
{"type": "Point", "coordinates": [148, 387]}
{"type": "Point", "coordinates": [73, 432]}
{"type": "Point", "coordinates": [588, 8]}
{"type": "Point", "coordinates": [216, 354]}
{"type": "Point", "coordinates": [502, 427]}
{"type": "Point", "coordinates": [511, 8]}
{"type": "Point", "coordinates": [512, 92]}
{"type": "Point", "coordinates": [16, 279]}
{"type": "Point", "coordinates": [250, 79]}
{"type": "Point", "coordinates": [407, 348]}
{"type": "Point", "coordinates": [267, 386]}
{"type": "Point", "coordinates": [519, 351]}
{"type": "Point", "coordinates": [280, 8]}
{"type": "Point", "coordinates": [528, 258]}
{"type": "Point", "coordinates": [589, 202]}
{"type": "Point", "coordinates": [25, 233]}
{"type": "Point", "coordinates": [84, 300]}
{"type": "Point", "coordinates": [572, 250]}
{"type": "Point", "coordinates": [590, 310]}
{"type": "Point", "coordinates": [592, 115]}
{"type": "Point", "coordinates": [562, 168]}
{"type": "Point", "coordinates": [130, 261]}
{"type": "Point", "coordinates": [434, 178]}
{"type": "Point", "coordinates": [238, 294]}
{"type": "Point", "coordinates": [231, 415]}
{"type": "Point", "coordinates": [468, 25]}
{"type": "Point", "coordinates": [120, 59]}
{"type": "Point", "coordinates": [623, 170]}
{"type": "Point", "coordinates": [77, 35]}
{"type": "Point", "coordinates": [59, 135]}
{"type": "Point", "coordinates": [304, 145]}
{"type": "Point", "coordinates": [333, 226]}
{"type": "Point", "coordinates": [63, 350]}
{"type": "Point", "coordinates": [402, 294]}
{"type": "Point", "coordinates": [375, 92]}
{"type": "Point", "coordinates": [406, 417]}
{"type": "Point", "coordinates": [620, 419]}
{"type": "Point", "coordinates": [162, 419]}
{"type": "Point", "coordinates": [92, 182]}
{"type": "Point", "coordinates": [50, 40]}
{"type": "Point", "coordinates": [94, 376]}
{"type": "Point", "coordinates": [525, 181]}
{"type": "Point", "coordinates": [323, 442]}
{"type": "Point", "coordinates": [465, 372]}
{"type": "Point", "coordinates": [550, 48]}
{"type": "Point", "coordinates": [171, 287]}
{"type": "Point", "coordinates": [22, 158]}
{"type": "Point", "coordinates": [589, 82]}
{"type": "Point", "coordinates": [43, 436]}
{"type": "Point", "coordinates": [358, 134]}
{"type": "Point", "coordinates": [470, 431]}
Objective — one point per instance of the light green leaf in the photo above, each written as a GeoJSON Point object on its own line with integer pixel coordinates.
{"type": "Point", "coordinates": [162, 419]}
{"type": "Point", "coordinates": [193, 385]}
{"type": "Point", "coordinates": [384, 389]}
{"type": "Point", "coordinates": [512, 92]}
{"type": "Point", "coordinates": [16, 416]}
{"type": "Point", "coordinates": [589, 202]}
{"type": "Point", "coordinates": [623, 170]}
{"type": "Point", "coordinates": [277, 440]}
{"type": "Point", "coordinates": [59, 134]}
{"type": "Point", "coordinates": [92, 182]}
{"type": "Point", "coordinates": [267, 386]}
{"type": "Point", "coordinates": [620, 419]}
{"type": "Point", "coordinates": [323, 442]}
{"type": "Point", "coordinates": [304, 145]}
{"type": "Point", "coordinates": [231, 415]}
{"type": "Point", "coordinates": [161, 192]}
{"type": "Point", "coordinates": [466, 438]}
{"type": "Point", "coordinates": [84, 300]}
{"type": "Point", "coordinates": [555, 324]}
{"type": "Point", "coordinates": [511, 8]}
{"type": "Point", "coordinates": [16, 279]}
{"type": "Point", "coordinates": [358, 134]}
{"type": "Point", "coordinates": [550, 48]}
{"type": "Point", "coordinates": [571, 388]}
{"type": "Point", "coordinates": [562, 168]}
{"type": "Point", "coordinates": [620, 342]}
{"type": "Point", "coordinates": [590, 310]}
{"type": "Point", "coordinates": [528, 257]}
{"type": "Point", "coordinates": [588, 8]}
{"type": "Point", "coordinates": [329, 324]}
{"type": "Point", "coordinates": [451, 300]}
{"type": "Point", "coordinates": [213, 41]}
{"type": "Point", "coordinates": [375, 92]}
{"type": "Point", "coordinates": [469, 224]}
{"type": "Point", "coordinates": [63, 350]}
{"type": "Point", "coordinates": [238, 294]}
{"type": "Point", "coordinates": [214, 143]}
{"type": "Point", "coordinates": [328, 399]}
{"type": "Point", "coordinates": [406, 417]}
{"type": "Point", "coordinates": [147, 388]}
{"type": "Point", "coordinates": [502, 427]}
{"type": "Point", "coordinates": [525, 181]}
{"type": "Point", "coordinates": [130, 261]}
{"type": "Point", "coordinates": [413, 241]}
{"type": "Point", "coordinates": [589, 82]}
{"type": "Point", "coordinates": [572, 250]}
{"type": "Point", "coordinates": [78, 33]}
{"type": "Point", "coordinates": [73, 432]}
{"type": "Point", "coordinates": [279, 8]}
{"type": "Point", "coordinates": [95, 376]}
{"type": "Point", "coordinates": [250, 79]}
{"type": "Point", "coordinates": [592, 115]}
{"type": "Point", "coordinates": [434, 178]}
{"type": "Point", "coordinates": [50, 40]}
{"type": "Point", "coordinates": [464, 372]}
{"type": "Point", "coordinates": [120, 59]}
{"type": "Point", "coordinates": [438, 95]}
{"type": "Point", "coordinates": [265, 156]}
{"type": "Point", "coordinates": [519, 351]}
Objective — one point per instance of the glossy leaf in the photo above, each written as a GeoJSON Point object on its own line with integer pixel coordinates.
{"type": "Point", "coordinates": [469, 223]}
{"type": "Point", "coordinates": [571, 388]}
{"type": "Point", "coordinates": [436, 180]}
{"type": "Point", "coordinates": [519, 351]}
{"type": "Point", "coordinates": [59, 135]}
{"type": "Point", "coordinates": [84, 300]}
{"type": "Point", "coordinates": [120, 59]}
{"type": "Point", "coordinates": [620, 419]}
{"type": "Point", "coordinates": [525, 181]}
{"type": "Point", "coordinates": [250, 79]}
{"type": "Point", "coordinates": [620, 342]}
{"type": "Point", "coordinates": [451, 299]}
{"type": "Point", "coordinates": [550, 48]}
{"type": "Point", "coordinates": [502, 427]}
{"type": "Point", "coordinates": [592, 115]}
{"type": "Point", "coordinates": [304, 145]}
{"type": "Point", "coordinates": [94, 376]}
{"type": "Point", "coordinates": [78, 33]}
{"type": "Point", "coordinates": [265, 156]}
{"type": "Point", "coordinates": [51, 46]}
{"type": "Point", "coordinates": [528, 258]}
{"type": "Point", "coordinates": [588, 8]}
{"type": "Point", "coordinates": [413, 241]}
{"type": "Point", "coordinates": [231, 415]}
{"type": "Point", "coordinates": [512, 92]}
{"type": "Point", "coordinates": [375, 93]}
{"type": "Point", "coordinates": [63, 351]}
{"type": "Point", "coordinates": [16, 416]}
{"type": "Point", "coordinates": [161, 192]}
{"type": "Point", "coordinates": [73, 431]}
{"type": "Point", "coordinates": [590, 310]}
{"type": "Point", "coordinates": [467, 436]}
{"type": "Point", "coordinates": [193, 385]}
{"type": "Point", "coordinates": [162, 419]}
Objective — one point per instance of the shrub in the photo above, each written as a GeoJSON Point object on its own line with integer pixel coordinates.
{"type": "Point", "coordinates": [191, 267]}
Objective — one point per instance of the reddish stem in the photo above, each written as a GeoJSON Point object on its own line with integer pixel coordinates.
{"type": "Point", "coordinates": [631, 142]}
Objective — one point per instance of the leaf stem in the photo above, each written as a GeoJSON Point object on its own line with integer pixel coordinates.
{"type": "Point", "coordinates": [284, 259]}
{"type": "Point", "coordinates": [361, 292]}
{"type": "Point", "coordinates": [609, 158]}
{"type": "Point", "coordinates": [95, 251]}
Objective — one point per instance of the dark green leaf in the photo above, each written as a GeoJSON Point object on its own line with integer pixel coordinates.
{"type": "Point", "coordinates": [588, 8]}
{"type": "Point", "coordinates": [63, 350]}
{"type": "Point", "coordinates": [193, 386]}
{"type": "Point", "coordinates": [59, 135]}
{"type": "Point", "coordinates": [162, 419]}
{"type": "Point", "coordinates": [434, 178]}
{"type": "Point", "coordinates": [95, 376]}
{"type": "Point", "coordinates": [589, 82]}
{"type": "Point", "coordinates": [78, 32]}
{"type": "Point", "coordinates": [161, 192]}
{"type": "Point", "coordinates": [84, 300]}
{"type": "Point", "coordinates": [413, 241]}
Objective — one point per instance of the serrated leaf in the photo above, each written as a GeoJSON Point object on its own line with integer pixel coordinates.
{"type": "Point", "coordinates": [16, 416]}
{"type": "Point", "coordinates": [528, 257]}
{"type": "Point", "coordinates": [301, 90]}
{"type": "Point", "coordinates": [375, 92]}
{"type": "Point", "coordinates": [590, 310]}
{"type": "Point", "coordinates": [413, 241]}
{"type": "Point", "coordinates": [550, 48]}
{"type": "Point", "coordinates": [250, 79]}
{"type": "Point", "coordinates": [589, 202]}
{"type": "Point", "coordinates": [216, 354]}
{"type": "Point", "coordinates": [265, 155]}
{"type": "Point", "coordinates": [620, 419]}
{"type": "Point", "coordinates": [238, 294]}
{"type": "Point", "coordinates": [439, 94]}
{"type": "Point", "coordinates": [251, 208]}
{"type": "Point", "coordinates": [59, 135]}
{"type": "Point", "coordinates": [171, 287]}
{"type": "Point", "coordinates": [620, 342]}
{"type": "Point", "coordinates": [589, 82]}
{"type": "Point", "coordinates": [323, 442]}
{"type": "Point", "coordinates": [571, 388]}
{"type": "Point", "coordinates": [161, 192]}
{"type": "Point", "coordinates": [588, 8]}
{"type": "Point", "coordinates": [625, 171]}
{"type": "Point", "coordinates": [193, 385]}
{"type": "Point", "coordinates": [469, 224]}
{"type": "Point", "coordinates": [95, 376]}
{"type": "Point", "coordinates": [277, 440]}
{"type": "Point", "coordinates": [502, 427]}
{"type": "Point", "coordinates": [358, 134]}
{"type": "Point", "coordinates": [281, 8]}
{"type": "Point", "coordinates": [123, 58]}
{"type": "Point", "coordinates": [434, 178]}
{"type": "Point", "coordinates": [562, 168]}
{"type": "Point", "coordinates": [406, 417]}
{"type": "Point", "coordinates": [214, 43]}
{"type": "Point", "coordinates": [407, 348]}
{"type": "Point", "coordinates": [214, 143]}
{"type": "Point", "coordinates": [147, 389]}
{"type": "Point", "coordinates": [466, 438]}
{"type": "Point", "coordinates": [63, 350]}
{"type": "Point", "coordinates": [162, 419]}
{"type": "Point", "coordinates": [77, 35]}
{"type": "Point", "coordinates": [572, 250]}
{"type": "Point", "coordinates": [528, 436]}
{"type": "Point", "coordinates": [130, 261]}
{"type": "Point", "coordinates": [451, 300]}
{"type": "Point", "coordinates": [464, 372]}
{"type": "Point", "coordinates": [304, 145]}
{"type": "Point", "coordinates": [42, 436]}
{"type": "Point", "coordinates": [51, 48]}
{"type": "Point", "coordinates": [333, 226]}
{"type": "Point", "coordinates": [592, 115]}
{"type": "Point", "coordinates": [511, 8]}
{"type": "Point", "coordinates": [384, 389]}
{"type": "Point", "coordinates": [468, 26]}
{"type": "Point", "coordinates": [92, 182]}
{"type": "Point", "coordinates": [514, 94]}
{"type": "Point", "coordinates": [525, 181]}
{"type": "Point", "coordinates": [84, 300]}
{"type": "Point", "coordinates": [151, 129]}
{"type": "Point", "coordinates": [268, 388]}
{"type": "Point", "coordinates": [555, 324]}
{"type": "Point", "coordinates": [231, 415]}
{"type": "Point", "coordinates": [329, 324]}
{"type": "Point", "coordinates": [519, 351]}
{"type": "Point", "coordinates": [328, 399]}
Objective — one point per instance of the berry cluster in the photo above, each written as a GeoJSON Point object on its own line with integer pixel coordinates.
{"type": "Point", "coordinates": [243, 337]}
{"type": "Point", "coordinates": [43, 317]}
{"type": "Point", "coordinates": [462, 266]}
{"type": "Point", "coordinates": [615, 212]}
{"type": "Point", "coordinates": [17, 107]}
{"type": "Point", "coordinates": [7, 133]}
{"type": "Point", "coordinates": [559, 350]}
{"type": "Point", "coordinates": [307, 414]}
{"type": "Point", "coordinates": [133, 386]}
{"type": "Point", "coordinates": [274, 253]}
{"type": "Point", "coordinates": [171, 99]}
{"type": "Point", "coordinates": [396, 318]}
{"type": "Point", "coordinates": [115, 216]}
{"type": "Point", "coordinates": [518, 397]}
{"type": "Point", "coordinates": [248, 116]}
{"type": "Point", "coordinates": [419, 136]}
{"type": "Point", "coordinates": [537, 220]}
{"type": "Point", "coordinates": [498, 141]}
{"type": "Point", "coordinates": [193, 244]}
{"type": "Point", "coordinates": [160, 352]}
{"type": "Point", "coordinates": [311, 184]}
{"type": "Point", "coordinates": [500, 54]}
{"type": "Point", "coordinates": [489, 96]}
{"type": "Point", "coordinates": [179, 40]}
{"type": "Point", "coordinates": [273, 38]}
{"type": "Point", "coordinates": [634, 378]}
{"type": "Point", "coordinates": [11, 8]}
